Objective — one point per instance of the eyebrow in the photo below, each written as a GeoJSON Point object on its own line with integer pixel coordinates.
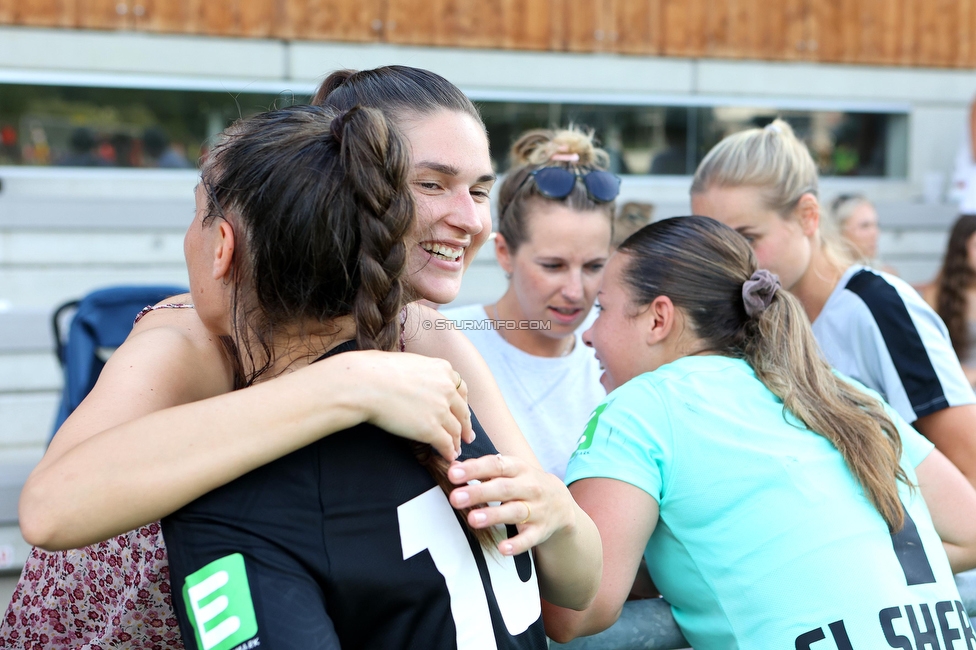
{"type": "Point", "coordinates": [451, 170]}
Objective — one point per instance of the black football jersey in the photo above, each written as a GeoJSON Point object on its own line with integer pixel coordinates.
{"type": "Point", "coordinates": [346, 542]}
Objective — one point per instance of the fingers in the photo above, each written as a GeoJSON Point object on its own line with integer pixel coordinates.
{"type": "Point", "coordinates": [460, 410]}
{"type": "Point", "coordinates": [484, 468]}
{"type": "Point", "coordinates": [529, 535]}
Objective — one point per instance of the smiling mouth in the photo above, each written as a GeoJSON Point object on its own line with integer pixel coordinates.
{"type": "Point", "coordinates": [442, 251]}
{"type": "Point", "coordinates": [566, 311]}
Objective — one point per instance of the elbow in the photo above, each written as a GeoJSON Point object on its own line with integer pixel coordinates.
{"type": "Point", "coordinates": [563, 625]}
{"type": "Point", "coordinates": [38, 524]}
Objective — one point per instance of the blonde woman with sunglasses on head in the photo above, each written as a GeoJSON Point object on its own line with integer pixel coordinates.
{"type": "Point", "coordinates": [555, 215]}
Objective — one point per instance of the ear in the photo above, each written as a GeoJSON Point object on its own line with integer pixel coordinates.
{"type": "Point", "coordinates": [808, 214]}
{"type": "Point", "coordinates": [223, 250]}
{"type": "Point", "coordinates": [503, 253]}
{"type": "Point", "coordinates": [658, 319]}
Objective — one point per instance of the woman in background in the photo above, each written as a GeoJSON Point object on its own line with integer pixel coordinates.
{"type": "Point", "coordinates": [856, 221]}
{"type": "Point", "coordinates": [555, 222]}
{"type": "Point", "coordinates": [953, 293]}
{"type": "Point", "coordinates": [871, 326]}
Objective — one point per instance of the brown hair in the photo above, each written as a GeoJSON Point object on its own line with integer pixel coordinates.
{"type": "Point", "coordinates": [321, 203]}
{"type": "Point", "coordinates": [533, 150]}
{"type": "Point", "coordinates": [701, 266]}
{"type": "Point", "coordinates": [955, 276]}
{"type": "Point", "coordinates": [398, 90]}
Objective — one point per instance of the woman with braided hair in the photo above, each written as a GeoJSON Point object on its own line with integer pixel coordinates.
{"type": "Point", "coordinates": [118, 463]}
{"type": "Point", "coordinates": [777, 504]}
{"type": "Point", "coordinates": [296, 254]}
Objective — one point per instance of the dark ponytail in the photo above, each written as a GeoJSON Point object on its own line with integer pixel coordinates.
{"type": "Point", "coordinates": [398, 90]}
{"type": "Point", "coordinates": [702, 265]}
{"type": "Point", "coordinates": [320, 208]}
{"type": "Point", "coordinates": [331, 82]}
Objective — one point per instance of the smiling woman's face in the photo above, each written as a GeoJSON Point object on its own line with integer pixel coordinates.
{"type": "Point", "coordinates": [450, 179]}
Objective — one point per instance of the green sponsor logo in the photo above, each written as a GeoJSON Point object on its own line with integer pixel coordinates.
{"type": "Point", "coordinates": [587, 438]}
{"type": "Point", "coordinates": [218, 602]}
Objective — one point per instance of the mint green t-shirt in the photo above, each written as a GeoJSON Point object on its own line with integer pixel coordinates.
{"type": "Point", "coordinates": [765, 540]}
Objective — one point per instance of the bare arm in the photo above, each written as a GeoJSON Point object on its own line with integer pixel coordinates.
{"type": "Point", "coordinates": [158, 430]}
{"type": "Point", "coordinates": [953, 432]}
{"type": "Point", "coordinates": [952, 503]}
{"type": "Point", "coordinates": [567, 544]}
{"type": "Point", "coordinates": [626, 517]}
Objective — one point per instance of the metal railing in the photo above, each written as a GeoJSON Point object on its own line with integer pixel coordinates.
{"type": "Point", "coordinates": [648, 624]}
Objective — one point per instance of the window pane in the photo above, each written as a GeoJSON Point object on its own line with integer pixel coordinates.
{"type": "Point", "coordinates": [674, 139]}
{"type": "Point", "coordinates": [117, 127]}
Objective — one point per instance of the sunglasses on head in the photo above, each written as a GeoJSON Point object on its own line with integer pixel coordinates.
{"type": "Point", "coordinates": [558, 182]}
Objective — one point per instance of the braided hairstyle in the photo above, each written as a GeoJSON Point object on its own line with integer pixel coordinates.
{"type": "Point", "coordinates": [321, 203]}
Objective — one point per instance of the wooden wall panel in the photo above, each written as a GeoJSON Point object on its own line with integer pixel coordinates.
{"type": "Point", "coordinates": [471, 23]}
{"type": "Point", "coordinates": [217, 17]}
{"type": "Point", "coordinates": [528, 24]}
{"type": "Point", "coordinates": [937, 20]}
{"type": "Point", "coordinates": [521, 24]}
{"type": "Point", "coordinates": [682, 22]}
{"type": "Point", "coordinates": [45, 13]}
{"type": "Point", "coordinates": [167, 16]}
{"type": "Point", "coordinates": [293, 19]}
{"type": "Point", "coordinates": [8, 12]}
{"type": "Point", "coordinates": [877, 32]}
{"type": "Point", "coordinates": [256, 19]}
{"type": "Point", "coordinates": [638, 26]}
{"type": "Point", "coordinates": [103, 14]}
{"type": "Point", "coordinates": [587, 25]}
{"type": "Point", "coordinates": [411, 21]}
{"type": "Point", "coordinates": [963, 34]}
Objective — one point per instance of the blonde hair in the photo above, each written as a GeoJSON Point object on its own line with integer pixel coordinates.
{"type": "Point", "coordinates": [775, 162]}
{"type": "Point", "coordinates": [844, 205]}
{"type": "Point", "coordinates": [771, 159]}
{"type": "Point", "coordinates": [701, 266]}
{"type": "Point", "coordinates": [571, 148]}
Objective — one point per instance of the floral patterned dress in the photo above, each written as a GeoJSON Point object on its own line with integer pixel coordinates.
{"type": "Point", "coordinates": [114, 594]}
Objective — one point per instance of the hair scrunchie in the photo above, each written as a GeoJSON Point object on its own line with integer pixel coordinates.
{"type": "Point", "coordinates": [758, 292]}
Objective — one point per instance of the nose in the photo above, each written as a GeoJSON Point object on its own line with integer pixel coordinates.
{"type": "Point", "coordinates": [573, 287]}
{"type": "Point", "coordinates": [465, 214]}
{"type": "Point", "coordinates": [588, 337]}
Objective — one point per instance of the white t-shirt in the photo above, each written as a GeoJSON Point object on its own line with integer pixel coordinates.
{"type": "Point", "coordinates": [551, 398]}
{"type": "Point", "coordinates": [875, 328]}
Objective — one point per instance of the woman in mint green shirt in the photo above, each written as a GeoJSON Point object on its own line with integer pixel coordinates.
{"type": "Point", "coordinates": [777, 504]}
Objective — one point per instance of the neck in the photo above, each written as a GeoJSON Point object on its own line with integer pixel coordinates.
{"type": "Point", "coordinates": [300, 344]}
{"type": "Point", "coordinates": [818, 282]}
{"type": "Point", "coordinates": [527, 340]}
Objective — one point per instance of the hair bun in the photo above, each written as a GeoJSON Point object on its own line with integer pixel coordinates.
{"type": "Point", "coordinates": [572, 145]}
